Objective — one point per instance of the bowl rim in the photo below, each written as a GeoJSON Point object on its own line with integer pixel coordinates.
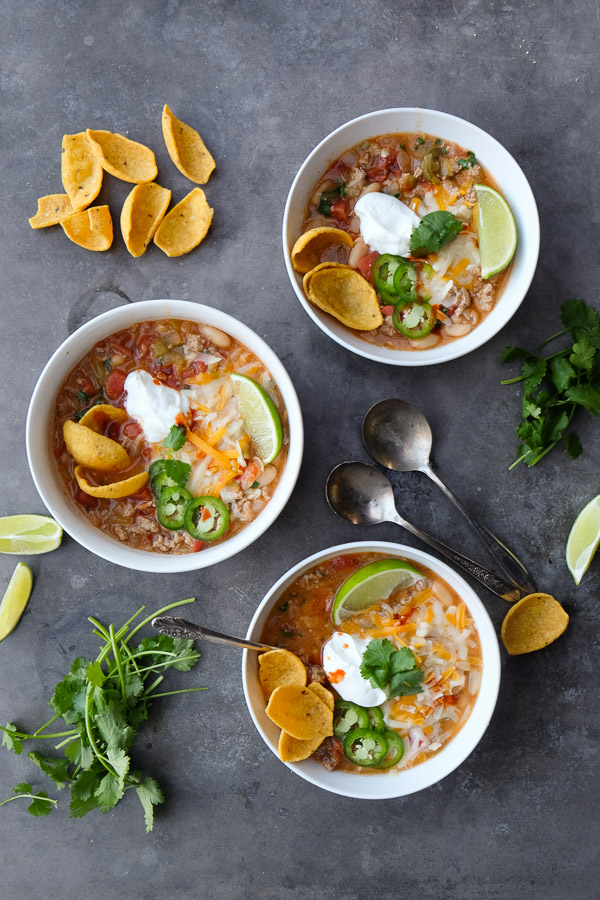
{"type": "Point", "coordinates": [478, 336]}
{"type": "Point", "coordinates": [41, 408]}
{"type": "Point", "coordinates": [391, 785]}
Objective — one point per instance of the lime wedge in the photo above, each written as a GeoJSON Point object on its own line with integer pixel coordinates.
{"type": "Point", "coordinates": [496, 229]}
{"type": "Point", "coordinates": [15, 599]}
{"type": "Point", "coordinates": [584, 539]}
{"type": "Point", "coordinates": [28, 535]}
{"type": "Point", "coordinates": [261, 419]}
{"type": "Point", "coordinates": [372, 584]}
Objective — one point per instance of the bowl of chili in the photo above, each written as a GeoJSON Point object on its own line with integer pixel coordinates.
{"type": "Point", "coordinates": [311, 585]}
{"type": "Point", "coordinates": [179, 526]}
{"type": "Point", "coordinates": [335, 176]}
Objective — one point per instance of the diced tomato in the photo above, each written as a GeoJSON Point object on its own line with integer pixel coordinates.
{"type": "Point", "coordinates": [343, 562]}
{"type": "Point", "coordinates": [387, 310]}
{"type": "Point", "coordinates": [198, 545]}
{"type": "Point", "coordinates": [365, 265]}
{"type": "Point", "coordinates": [195, 369]}
{"type": "Point", "coordinates": [143, 495]}
{"type": "Point", "coordinates": [132, 430]}
{"type": "Point", "coordinates": [205, 514]}
{"type": "Point", "coordinates": [86, 386]}
{"type": "Point", "coordinates": [115, 381]}
{"type": "Point", "coordinates": [147, 453]}
{"type": "Point", "coordinates": [85, 499]}
{"type": "Point", "coordinates": [340, 209]}
{"type": "Point", "coordinates": [381, 171]}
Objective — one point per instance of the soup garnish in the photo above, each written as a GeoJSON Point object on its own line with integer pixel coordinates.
{"type": "Point", "coordinates": [405, 668]}
{"type": "Point", "coordinates": [170, 435]}
{"type": "Point", "coordinates": [409, 204]}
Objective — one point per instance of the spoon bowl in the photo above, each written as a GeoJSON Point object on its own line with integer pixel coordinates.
{"type": "Point", "coordinates": [360, 494]}
{"type": "Point", "coordinates": [398, 435]}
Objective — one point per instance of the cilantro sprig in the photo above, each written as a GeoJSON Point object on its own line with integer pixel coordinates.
{"type": "Point", "coordinates": [556, 386]}
{"type": "Point", "coordinates": [176, 438]}
{"type": "Point", "coordinates": [391, 669]}
{"type": "Point", "coordinates": [42, 803]}
{"type": "Point", "coordinates": [435, 231]}
{"type": "Point", "coordinates": [103, 702]}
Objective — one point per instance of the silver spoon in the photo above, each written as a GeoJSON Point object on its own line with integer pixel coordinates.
{"type": "Point", "coordinates": [398, 436]}
{"type": "Point", "coordinates": [175, 627]}
{"type": "Point", "coordinates": [364, 496]}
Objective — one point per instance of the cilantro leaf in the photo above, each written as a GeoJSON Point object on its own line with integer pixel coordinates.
{"type": "Point", "coordinates": [586, 395]}
{"type": "Point", "coordinates": [573, 445]}
{"type": "Point", "coordinates": [22, 788]}
{"type": "Point", "coordinates": [562, 373]}
{"type": "Point", "coordinates": [9, 739]}
{"type": "Point", "coordinates": [405, 684]}
{"type": "Point", "coordinates": [583, 354]}
{"type": "Point", "coordinates": [80, 754]}
{"type": "Point", "coordinates": [150, 795]}
{"type": "Point", "coordinates": [510, 354]}
{"type": "Point", "coordinates": [41, 805]}
{"type": "Point", "coordinates": [575, 314]}
{"type": "Point", "coordinates": [95, 675]}
{"type": "Point", "coordinates": [53, 766]}
{"type": "Point", "coordinates": [176, 438]}
{"type": "Point", "coordinates": [109, 792]}
{"type": "Point", "coordinates": [391, 669]}
{"type": "Point", "coordinates": [435, 231]}
{"type": "Point", "coordinates": [402, 660]}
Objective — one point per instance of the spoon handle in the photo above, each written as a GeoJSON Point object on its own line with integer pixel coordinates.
{"type": "Point", "coordinates": [512, 567]}
{"type": "Point", "coordinates": [488, 579]}
{"type": "Point", "coordinates": [175, 627]}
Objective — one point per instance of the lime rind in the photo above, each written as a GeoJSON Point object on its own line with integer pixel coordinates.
{"type": "Point", "coordinates": [496, 229]}
{"type": "Point", "coordinates": [15, 599]}
{"type": "Point", "coordinates": [261, 418]}
{"type": "Point", "coordinates": [372, 584]}
{"type": "Point", "coordinates": [29, 535]}
{"type": "Point", "coordinates": [583, 539]}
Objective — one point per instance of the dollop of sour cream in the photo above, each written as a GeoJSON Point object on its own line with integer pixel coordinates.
{"type": "Point", "coordinates": [153, 405]}
{"type": "Point", "coordinates": [386, 223]}
{"type": "Point", "coordinates": [342, 656]}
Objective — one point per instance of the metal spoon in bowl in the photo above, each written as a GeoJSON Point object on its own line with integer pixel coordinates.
{"type": "Point", "coordinates": [364, 496]}
{"type": "Point", "coordinates": [398, 436]}
{"type": "Point", "coordinates": [175, 627]}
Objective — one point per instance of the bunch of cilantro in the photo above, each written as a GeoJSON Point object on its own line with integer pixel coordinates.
{"type": "Point", "coordinates": [393, 670]}
{"type": "Point", "coordinates": [103, 702]}
{"type": "Point", "coordinates": [555, 386]}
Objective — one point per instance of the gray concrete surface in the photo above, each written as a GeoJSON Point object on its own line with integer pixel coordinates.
{"type": "Point", "coordinates": [264, 82]}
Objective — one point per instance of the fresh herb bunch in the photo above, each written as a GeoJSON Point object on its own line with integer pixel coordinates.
{"type": "Point", "coordinates": [390, 669]}
{"type": "Point", "coordinates": [104, 702]}
{"type": "Point", "coordinates": [555, 386]}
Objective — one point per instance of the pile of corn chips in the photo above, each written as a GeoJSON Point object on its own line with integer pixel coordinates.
{"type": "Point", "coordinates": [305, 714]}
{"type": "Point", "coordinates": [85, 158]}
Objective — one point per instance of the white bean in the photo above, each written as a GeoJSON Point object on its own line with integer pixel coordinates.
{"type": "Point", "coordinates": [218, 337]}
{"type": "Point", "coordinates": [426, 343]}
{"type": "Point", "coordinates": [457, 330]}
{"type": "Point", "coordinates": [117, 359]}
{"type": "Point", "coordinates": [267, 476]}
{"type": "Point", "coordinates": [359, 250]}
{"type": "Point", "coordinates": [373, 188]}
{"type": "Point", "coordinates": [258, 505]}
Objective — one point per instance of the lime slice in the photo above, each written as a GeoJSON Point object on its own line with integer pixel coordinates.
{"type": "Point", "coordinates": [15, 599]}
{"type": "Point", "coordinates": [261, 419]}
{"type": "Point", "coordinates": [496, 229]}
{"type": "Point", "coordinates": [28, 535]}
{"type": "Point", "coordinates": [584, 539]}
{"type": "Point", "coordinates": [372, 584]}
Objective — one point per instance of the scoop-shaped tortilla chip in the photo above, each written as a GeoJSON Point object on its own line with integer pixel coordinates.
{"type": "Point", "coordinates": [186, 148]}
{"type": "Point", "coordinates": [91, 228]}
{"type": "Point", "coordinates": [343, 293]}
{"type": "Point", "coordinates": [114, 490]}
{"type": "Point", "coordinates": [123, 158]}
{"type": "Point", "coordinates": [100, 415]}
{"type": "Point", "coordinates": [96, 451]}
{"type": "Point", "coordinates": [300, 712]}
{"type": "Point", "coordinates": [532, 623]}
{"type": "Point", "coordinates": [326, 265]}
{"type": "Point", "coordinates": [186, 225]}
{"type": "Point", "coordinates": [141, 215]}
{"type": "Point", "coordinates": [323, 694]}
{"type": "Point", "coordinates": [81, 170]}
{"type": "Point", "coordinates": [293, 750]}
{"type": "Point", "coordinates": [307, 250]}
{"type": "Point", "coordinates": [51, 210]}
{"type": "Point", "coordinates": [279, 667]}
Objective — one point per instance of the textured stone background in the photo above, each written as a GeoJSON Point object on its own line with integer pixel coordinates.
{"type": "Point", "coordinates": [264, 82]}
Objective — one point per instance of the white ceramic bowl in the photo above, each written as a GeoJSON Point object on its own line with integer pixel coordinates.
{"type": "Point", "coordinates": [503, 169]}
{"type": "Point", "coordinates": [382, 786]}
{"type": "Point", "coordinates": [41, 412]}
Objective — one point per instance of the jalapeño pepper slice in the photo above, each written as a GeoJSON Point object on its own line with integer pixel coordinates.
{"type": "Point", "coordinates": [395, 749]}
{"type": "Point", "coordinates": [347, 716]}
{"type": "Point", "coordinates": [365, 747]}
{"type": "Point", "coordinates": [167, 473]}
{"type": "Point", "coordinates": [384, 269]}
{"type": "Point", "coordinates": [206, 518]}
{"type": "Point", "coordinates": [161, 481]}
{"type": "Point", "coordinates": [171, 506]}
{"type": "Point", "coordinates": [376, 719]}
{"type": "Point", "coordinates": [414, 320]}
{"type": "Point", "coordinates": [405, 279]}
